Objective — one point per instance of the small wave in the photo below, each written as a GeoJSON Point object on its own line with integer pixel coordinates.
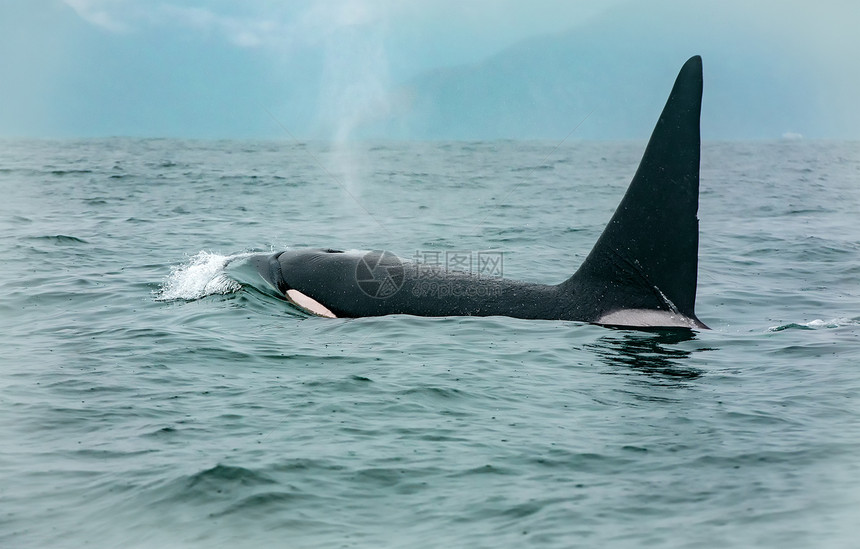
{"type": "Point", "coordinates": [265, 502]}
{"type": "Point", "coordinates": [816, 324]}
{"type": "Point", "coordinates": [60, 239]}
{"type": "Point", "coordinates": [221, 476]}
{"type": "Point", "coordinates": [69, 172]}
{"type": "Point", "coordinates": [529, 169]}
{"type": "Point", "coordinates": [200, 276]}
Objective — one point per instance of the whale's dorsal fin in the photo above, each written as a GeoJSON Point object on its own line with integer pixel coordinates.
{"type": "Point", "coordinates": [647, 256]}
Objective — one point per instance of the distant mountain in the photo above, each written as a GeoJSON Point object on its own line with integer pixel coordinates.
{"type": "Point", "coordinates": [620, 66]}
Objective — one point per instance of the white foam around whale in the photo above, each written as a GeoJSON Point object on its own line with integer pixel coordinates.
{"type": "Point", "coordinates": [200, 276]}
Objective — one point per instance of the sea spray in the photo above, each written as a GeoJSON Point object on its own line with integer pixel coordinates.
{"type": "Point", "coordinates": [200, 276]}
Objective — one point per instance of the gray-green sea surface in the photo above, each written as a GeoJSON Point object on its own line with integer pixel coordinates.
{"type": "Point", "coordinates": [155, 396]}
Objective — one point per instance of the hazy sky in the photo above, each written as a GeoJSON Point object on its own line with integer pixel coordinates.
{"type": "Point", "coordinates": [342, 68]}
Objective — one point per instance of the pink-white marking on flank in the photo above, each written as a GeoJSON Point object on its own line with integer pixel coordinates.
{"type": "Point", "coordinates": [308, 304]}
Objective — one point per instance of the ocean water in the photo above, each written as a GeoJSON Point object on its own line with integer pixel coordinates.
{"type": "Point", "coordinates": [155, 395]}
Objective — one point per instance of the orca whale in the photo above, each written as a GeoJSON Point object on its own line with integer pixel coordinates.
{"type": "Point", "coordinates": [640, 273]}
